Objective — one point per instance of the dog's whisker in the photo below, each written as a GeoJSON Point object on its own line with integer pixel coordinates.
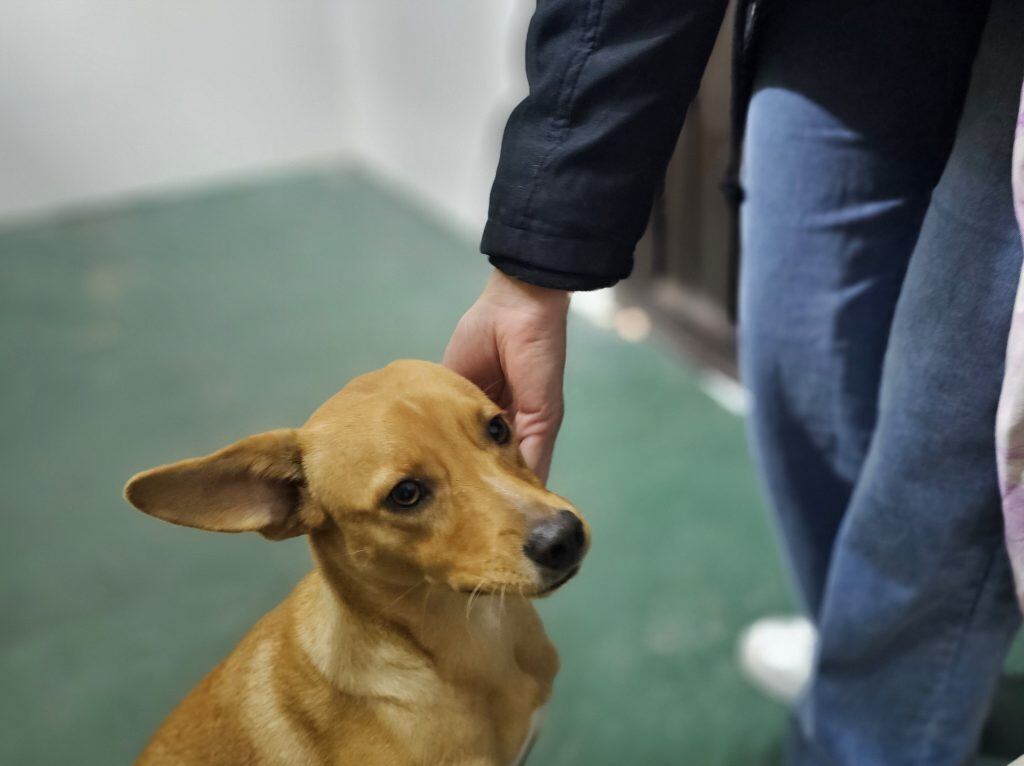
{"type": "Point", "coordinates": [406, 592]}
{"type": "Point", "coordinates": [490, 387]}
{"type": "Point", "coordinates": [355, 554]}
{"type": "Point", "coordinates": [426, 597]}
{"type": "Point", "coordinates": [472, 597]}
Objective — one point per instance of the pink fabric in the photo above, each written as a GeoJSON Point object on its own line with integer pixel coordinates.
{"type": "Point", "coordinates": [1010, 417]}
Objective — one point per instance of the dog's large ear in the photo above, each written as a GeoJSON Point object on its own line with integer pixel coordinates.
{"type": "Point", "coordinates": [253, 485]}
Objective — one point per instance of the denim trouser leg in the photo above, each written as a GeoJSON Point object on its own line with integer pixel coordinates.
{"type": "Point", "coordinates": [847, 136]}
{"type": "Point", "coordinates": [904, 567]}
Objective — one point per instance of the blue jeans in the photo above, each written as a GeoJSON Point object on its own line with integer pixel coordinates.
{"type": "Point", "coordinates": [881, 258]}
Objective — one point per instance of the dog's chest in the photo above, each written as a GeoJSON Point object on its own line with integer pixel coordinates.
{"type": "Point", "coordinates": [484, 695]}
{"type": "Point", "coordinates": [469, 695]}
{"type": "Point", "coordinates": [481, 725]}
{"type": "Point", "coordinates": [514, 693]}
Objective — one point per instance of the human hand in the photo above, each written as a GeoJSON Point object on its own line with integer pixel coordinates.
{"type": "Point", "coordinates": [511, 343]}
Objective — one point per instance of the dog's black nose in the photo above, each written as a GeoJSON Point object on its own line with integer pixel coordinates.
{"type": "Point", "coordinates": [556, 543]}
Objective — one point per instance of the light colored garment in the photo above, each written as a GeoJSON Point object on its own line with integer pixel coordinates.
{"type": "Point", "coordinates": [1010, 417]}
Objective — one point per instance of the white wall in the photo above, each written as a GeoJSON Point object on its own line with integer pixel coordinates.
{"type": "Point", "coordinates": [105, 98]}
{"type": "Point", "coordinates": [430, 84]}
{"type": "Point", "coordinates": [102, 98]}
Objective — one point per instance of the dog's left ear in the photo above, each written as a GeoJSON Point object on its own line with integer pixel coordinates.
{"type": "Point", "coordinates": [254, 485]}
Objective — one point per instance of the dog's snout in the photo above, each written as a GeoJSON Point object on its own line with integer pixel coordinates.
{"type": "Point", "coordinates": [557, 542]}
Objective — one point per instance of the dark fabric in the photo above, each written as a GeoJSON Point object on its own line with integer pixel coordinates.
{"type": "Point", "coordinates": [749, 15]}
{"type": "Point", "coordinates": [585, 151]}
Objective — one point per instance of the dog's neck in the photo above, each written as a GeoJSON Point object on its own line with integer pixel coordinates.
{"type": "Point", "coordinates": [349, 625]}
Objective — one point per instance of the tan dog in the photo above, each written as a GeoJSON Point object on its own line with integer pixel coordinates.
{"type": "Point", "coordinates": [413, 640]}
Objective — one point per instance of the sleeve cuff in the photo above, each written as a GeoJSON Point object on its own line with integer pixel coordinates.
{"type": "Point", "coordinates": [556, 262]}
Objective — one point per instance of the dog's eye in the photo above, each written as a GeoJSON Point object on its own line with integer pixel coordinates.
{"type": "Point", "coordinates": [407, 493]}
{"type": "Point", "coordinates": [497, 430]}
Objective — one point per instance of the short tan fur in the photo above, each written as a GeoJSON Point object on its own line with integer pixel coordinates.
{"type": "Point", "coordinates": [413, 640]}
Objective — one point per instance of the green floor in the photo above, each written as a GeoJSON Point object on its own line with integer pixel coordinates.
{"type": "Point", "coordinates": [164, 329]}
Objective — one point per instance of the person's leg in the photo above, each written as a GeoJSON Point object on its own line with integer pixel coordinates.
{"type": "Point", "coordinates": [852, 119]}
{"type": "Point", "coordinates": [918, 610]}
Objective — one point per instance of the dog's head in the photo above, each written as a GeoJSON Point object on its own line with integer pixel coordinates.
{"type": "Point", "coordinates": [408, 474]}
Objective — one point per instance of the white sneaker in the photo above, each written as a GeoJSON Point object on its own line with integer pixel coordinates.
{"type": "Point", "coordinates": [776, 654]}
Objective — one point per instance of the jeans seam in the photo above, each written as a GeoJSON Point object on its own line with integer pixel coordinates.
{"type": "Point", "coordinates": [928, 738]}
{"type": "Point", "coordinates": [980, 230]}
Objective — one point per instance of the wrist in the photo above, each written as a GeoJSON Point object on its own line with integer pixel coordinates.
{"type": "Point", "coordinates": [510, 291]}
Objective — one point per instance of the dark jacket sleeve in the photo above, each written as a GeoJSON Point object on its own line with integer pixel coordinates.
{"type": "Point", "coordinates": [584, 152]}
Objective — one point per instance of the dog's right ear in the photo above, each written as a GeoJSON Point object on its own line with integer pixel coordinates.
{"type": "Point", "coordinates": [254, 485]}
